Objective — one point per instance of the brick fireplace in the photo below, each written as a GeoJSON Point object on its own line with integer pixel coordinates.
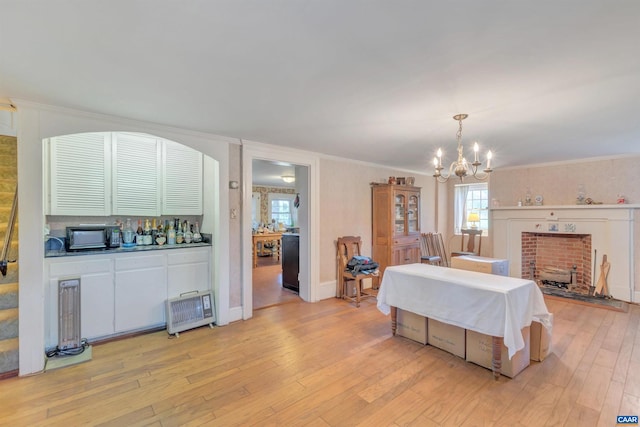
{"type": "Point", "coordinates": [563, 236]}
{"type": "Point", "coordinates": [568, 252]}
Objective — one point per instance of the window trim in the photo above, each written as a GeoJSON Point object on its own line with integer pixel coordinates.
{"type": "Point", "coordinates": [461, 222]}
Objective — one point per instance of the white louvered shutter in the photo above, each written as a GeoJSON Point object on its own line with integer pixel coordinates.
{"type": "Point", "coordinates": [136, 175]}
{"type": "Point", "coordinates": [80, 174]}
{"type": "Point", "coordinates": [181, 180]}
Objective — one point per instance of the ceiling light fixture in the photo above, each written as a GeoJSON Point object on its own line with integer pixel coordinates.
{"type": "Point", "coordinates": [461, 168]}
{"type": "Point", "coordinates": [288, 178]}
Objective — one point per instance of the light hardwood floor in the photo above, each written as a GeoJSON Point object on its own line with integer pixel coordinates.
{"type": "Point", "coordinates": [331, 364]}
{"type": "Point", "coordinates": [267, 285]}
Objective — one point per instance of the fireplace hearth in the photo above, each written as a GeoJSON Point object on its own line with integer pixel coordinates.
{"type": "Point", "coordinates": [557, 259]}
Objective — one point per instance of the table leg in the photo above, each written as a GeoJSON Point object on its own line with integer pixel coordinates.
{"type": "Point", "coordinates": [255, 254]}
{"type": "Point", "coordinates": [496, 361]}
{"type": "Point", "coordinates": [394, 318]}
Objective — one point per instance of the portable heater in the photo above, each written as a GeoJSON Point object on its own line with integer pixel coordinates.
{"type": "Point", "coordinates": [69, 314]}
{"type": "Point", "coordinates": [190, 310]}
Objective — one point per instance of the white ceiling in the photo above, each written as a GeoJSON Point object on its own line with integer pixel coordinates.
{"type": "Point", "coordinates": [374, 80]}
{"type": "Point", "coordinates": [269, 173]}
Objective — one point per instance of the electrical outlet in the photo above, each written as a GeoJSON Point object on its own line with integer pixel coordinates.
{"type": "Point", "coordinates": [234, 213]}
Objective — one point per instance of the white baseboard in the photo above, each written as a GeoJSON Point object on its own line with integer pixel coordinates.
{"type": "Point", "coordinates": [327, 290]}
{"type": "Point", "coordinates": [235, 314]}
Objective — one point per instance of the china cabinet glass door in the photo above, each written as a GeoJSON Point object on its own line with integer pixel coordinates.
{"type": "Point", "coordinates": [399, 218]}
{"type": "Point", "coordinates": [413, 214]}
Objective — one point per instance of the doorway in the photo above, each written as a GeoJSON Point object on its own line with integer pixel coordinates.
{"type": "Point", "coordinates": [274, 227]}
{"type": "Point", "coordinates": [306, 188]}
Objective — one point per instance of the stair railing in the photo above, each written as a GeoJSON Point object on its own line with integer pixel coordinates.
{"type": "Point", "coordinates": [8, 235]}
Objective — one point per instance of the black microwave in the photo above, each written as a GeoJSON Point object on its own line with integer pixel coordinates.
{"type": "Point", "coordinates": [91, 237]}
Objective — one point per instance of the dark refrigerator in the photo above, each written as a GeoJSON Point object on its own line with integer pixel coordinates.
{"type": "Point", "coordinates": [291, 261]}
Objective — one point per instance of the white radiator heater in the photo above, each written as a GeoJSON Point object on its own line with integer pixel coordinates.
{"type": "Point", "coordinates": [69, 314]}
{"type": "Point", "coordinates": [190, 310]}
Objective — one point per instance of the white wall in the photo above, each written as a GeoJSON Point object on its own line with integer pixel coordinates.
{"type": "Point", "coordinates": [36, 122]}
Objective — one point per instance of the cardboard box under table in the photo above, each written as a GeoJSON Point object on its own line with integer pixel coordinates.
{"type": "Point", "coordinates": [480, 352]}
{"type": "Point", "coordinates": [412, 326]}
{"type": "Point", "coordinates": [447, 337]}
{"type": "Point", "coordinates": [493, 305]}
{"type": "Point", "coordinates": [481, 264]}
{"type": "Point", "coordinates": [541, 339]}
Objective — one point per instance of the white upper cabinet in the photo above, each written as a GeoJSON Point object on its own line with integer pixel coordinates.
{"type": "Point", "coordinates": [136, 175]}
{"type": "Point", "coordinates": [80, 174]}
{"type": "Point", "coordinates": [181, 180]}
{"type": "Point", "coordinates": [103, 174]}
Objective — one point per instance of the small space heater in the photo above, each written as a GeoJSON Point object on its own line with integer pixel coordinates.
{"type": "Point", "coordinates": [190, 310]}
{"type": "Point", "coordinates": [69, 314]}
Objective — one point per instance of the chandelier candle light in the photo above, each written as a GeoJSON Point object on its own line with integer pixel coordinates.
{"type": "Point", "coordinates": [461, 168]}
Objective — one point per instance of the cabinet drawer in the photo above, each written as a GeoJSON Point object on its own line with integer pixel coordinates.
{"type": "Point", "coordinates": [79, 268]}
{"type": "Point", "coordinates": [186, 256]}
{"type": "Point", "coordinates": [132, 262]}
{"type": "Point", "coordinates": [407, 240]}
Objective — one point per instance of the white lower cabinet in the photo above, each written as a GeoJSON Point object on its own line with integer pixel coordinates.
{"type": "Point", "coordinates": [127, 291]}
{"type": "Point", "coordinates": [96, 296]}
{"type": "Point", "coordinates": [141, 291]}
{"type": "Point", "coordinates": [188, 270]}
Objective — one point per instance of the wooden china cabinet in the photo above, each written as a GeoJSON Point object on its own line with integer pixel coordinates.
{"type": "Point", "coordinates": [396, 224]}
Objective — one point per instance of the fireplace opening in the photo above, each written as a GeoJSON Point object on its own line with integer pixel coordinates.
{"type": "Point", "coordinates": [558, 260]}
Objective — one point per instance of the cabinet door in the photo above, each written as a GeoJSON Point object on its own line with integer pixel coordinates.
{"type": "Point", "coordinates": [140, 292]}
{"type": "Point", "coordinates": [96, 305]}
{"type": "Point", "coordinates": [136, 175]}
{"type": "Point", "coordinates": [405, 255]}
{"type": "Point", "coordinates": [181, 180]}
{"type": "Point", "coordinates": [96, 296]}
{"type": "Point", "coordinates": [188, 270]}
{"type": "Point", "coordinates": [413, 213]}
{"type": "Point", "coordinates": [399, 225]}
{"type": "Point", "coordinates": [80, 174]}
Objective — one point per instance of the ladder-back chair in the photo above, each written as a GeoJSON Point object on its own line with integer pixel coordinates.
{"type": "Point", "coordinates": [471, 234]}
{"type": "Point", "coordinates": [347, 247]}
{"type": "Point", "coordinates": [432, 249]}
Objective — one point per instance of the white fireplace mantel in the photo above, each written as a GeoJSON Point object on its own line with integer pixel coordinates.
{"type": "Point", "coordinates": [611, 228]}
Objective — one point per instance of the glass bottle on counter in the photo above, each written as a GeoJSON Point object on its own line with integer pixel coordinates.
{"type": "Point", "coordinates": [179, 235]}
{"type": "Point", "coordinates": [171, 235]}
{"type": "Point", "coordinates": [146, 232]}
{"type": "Point", "coordinates": [188, 235]}
{"type": "Point", "coordinates": [139, 231]}
{"type": "Point", "coordinates": [127, 235]}
{"type": "Point", "coordinates": [197, 237]}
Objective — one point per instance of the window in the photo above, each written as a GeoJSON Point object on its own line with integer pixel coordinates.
{"type": "Point", "coordinates": [281, 211]}
{"type": "Point", "coordinates": [471, 198]}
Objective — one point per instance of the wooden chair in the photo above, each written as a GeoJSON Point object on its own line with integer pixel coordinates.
{"type": "Point", "coordinates": [471, 242]}
{"type": "Point", "coordinates": [347, 247]}
{"type": "Point", "coordinates": [432, 249]}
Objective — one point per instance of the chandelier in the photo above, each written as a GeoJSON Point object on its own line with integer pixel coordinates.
{"type": "Point", "coordinates": [461, 167]}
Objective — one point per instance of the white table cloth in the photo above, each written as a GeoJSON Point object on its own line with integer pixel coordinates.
{"type": "Point", "coordinates": [494, 305]}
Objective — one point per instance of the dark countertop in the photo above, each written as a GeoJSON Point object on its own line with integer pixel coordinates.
{"type": "Point", "coordinates": [54, 253]}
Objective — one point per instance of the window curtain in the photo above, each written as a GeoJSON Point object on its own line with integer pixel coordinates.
{"type": "Point", "coordinates": [460, 220]}
{"type": "Point", "coordinates": [255, 210]}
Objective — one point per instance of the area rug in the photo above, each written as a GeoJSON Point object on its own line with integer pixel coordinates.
{"type": "Point", "coordinates": [56, 362]}
{"type": "Point", "coordinates": [563, 294]}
